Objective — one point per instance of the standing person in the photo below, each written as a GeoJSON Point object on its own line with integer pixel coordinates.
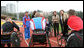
{"type": "Point", "coordinates": [55, 20]}
{"type": "Point", "coordinates": [26, 24]}
{"type": "Point", "coordinates": [63, 17]}
{"type": "Point", "coordinates": [33, 15]}
{"type": "Point", "coordinates": [47, 26]}
{"type": "Point", "coordinates": [61, 20]}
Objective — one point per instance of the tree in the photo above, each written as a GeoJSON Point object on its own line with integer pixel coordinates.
{"type": "Point", "coordinates": [80, 14]}
{"type": "Point", "coordinates": [39, 11]}
{"type": "Point", "coordinates": [21, 15]}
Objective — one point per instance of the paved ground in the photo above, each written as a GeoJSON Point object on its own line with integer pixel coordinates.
{"type": "Point", "coordinates": [53, 40]}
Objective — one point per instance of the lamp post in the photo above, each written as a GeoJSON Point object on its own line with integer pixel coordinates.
{"type": "Point", "coordinates": [17, 11]}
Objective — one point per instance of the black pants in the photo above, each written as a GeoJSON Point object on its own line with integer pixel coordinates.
{"type": "Point", "coordinates": [56, 27]}
{"type": "Point", "coordinates": [47, 31]}
{"type": "Point", "coordinates": [62, 27]}
{"type": "Point", "coordinates": [5, 37]}
{"type": "Point", "coordinates": [65, 31]}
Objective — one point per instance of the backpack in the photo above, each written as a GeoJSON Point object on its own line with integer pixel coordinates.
{"type": "Point", "coordinates": [75, 40]}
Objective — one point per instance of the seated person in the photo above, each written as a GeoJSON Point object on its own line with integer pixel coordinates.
{"type": "Point", "coordinates": [7, 29]}
{"type": "Point", "coordinates": [37, 25]}
{"type": "Point", "coordinates": [38, 22]}
{"type": "Point", "coordinates": [75, 23]}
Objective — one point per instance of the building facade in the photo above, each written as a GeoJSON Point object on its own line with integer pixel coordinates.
{"type": "Point", "coordinates": [10, 8]}
{"type": "Point", "coordinates": [3, 9]}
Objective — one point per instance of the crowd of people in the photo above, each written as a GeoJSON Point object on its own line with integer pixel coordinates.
{"type": "Point", "coordinates": [68, 21]}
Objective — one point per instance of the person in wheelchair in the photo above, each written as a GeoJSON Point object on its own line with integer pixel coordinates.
{"type": "Point", "coordinates": [75, 24]}
{"type": "Point", "coordinates": [38, 24]}
{"type": "Point", "coordinates": [7, 29]}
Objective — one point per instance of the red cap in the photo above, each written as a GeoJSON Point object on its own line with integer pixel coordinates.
{"type": "Point", "coordinates": [75, 23]}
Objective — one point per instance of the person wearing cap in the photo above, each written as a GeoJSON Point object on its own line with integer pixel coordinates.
{"type": "Point", "coordinates": [26, 24]}
{"type": "Point", "coordinates": [75, 24]}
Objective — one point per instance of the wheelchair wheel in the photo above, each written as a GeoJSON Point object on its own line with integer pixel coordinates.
{"type": "Point", "coordinates": [15, 40]}
{"type": "Point", "coordinates": [58, 40]}
{"type": "Point", "coordinates": [61, 44]}
{"type": "Point", "coordinates": [48, 41]}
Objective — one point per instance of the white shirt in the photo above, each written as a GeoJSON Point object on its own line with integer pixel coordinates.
{"type": "Point", "coordinates": [61, 17]}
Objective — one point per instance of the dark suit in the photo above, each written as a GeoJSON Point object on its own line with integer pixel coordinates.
{"type": "Point", "coordinates": [65, 31]}
{"type": "Point", "coordinates": [48, 28]}
{"type": "Point", "coordinates": [62, 27]}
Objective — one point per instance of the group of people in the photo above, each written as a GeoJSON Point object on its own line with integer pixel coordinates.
{"type": "Point", "coordinates": [59, 19]}
{"type": "Point", "coordinates": [67, 20]}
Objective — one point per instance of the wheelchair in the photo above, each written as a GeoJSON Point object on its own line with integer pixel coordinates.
{"type": "Point", "coordinates": [39, 37]}
{"type": "Point", "coordinates": [14, 39]}
{"type": "Point", "coordinates": [61, 39]}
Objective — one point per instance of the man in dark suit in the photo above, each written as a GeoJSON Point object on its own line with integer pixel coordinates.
{"type": "Point", "coordinates": [63, 17]}
{"type": "Point", "coordinates": [61, 20]}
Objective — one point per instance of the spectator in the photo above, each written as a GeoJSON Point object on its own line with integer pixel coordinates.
{"type": "Point", "coordinates": [55, 20]}
{"type": "Point", "coordinates": [63, 17]}
{"type": "Point", "coordinates": [33, 15]}
{"type": "Point", "coordinates": [47, 26]}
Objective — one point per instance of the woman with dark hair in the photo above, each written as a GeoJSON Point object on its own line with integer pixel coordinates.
{"type": "Point", "coordinates": [55, 20]}
{"type": "Point", "coordinates": [33, 14]}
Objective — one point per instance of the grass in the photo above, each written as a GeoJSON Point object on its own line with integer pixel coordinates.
{"type": "Point", "coordinates": [60, 28]}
